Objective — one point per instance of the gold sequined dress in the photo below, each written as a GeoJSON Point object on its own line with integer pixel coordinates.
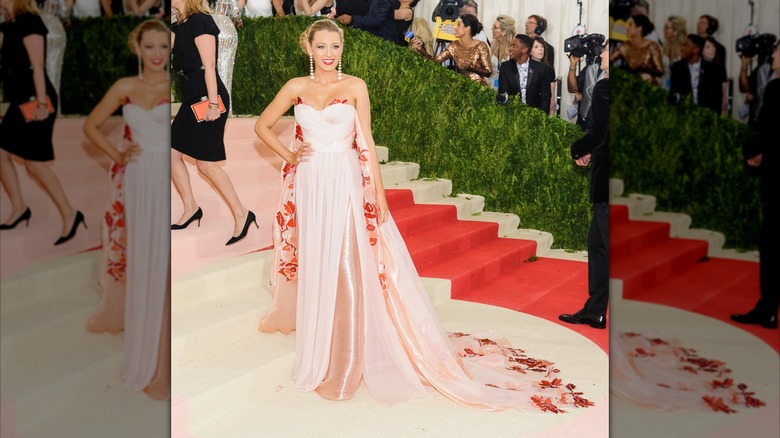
{"type": "Point", "coordinates": [645, 61]}
{"type": "Point", "coordinates": [473, 62]}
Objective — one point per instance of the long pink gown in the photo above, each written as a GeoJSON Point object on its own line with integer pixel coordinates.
{"type": "Point", "coordinates": [135, 276]}
{"type": "Point", "coordinates": [349, 289]}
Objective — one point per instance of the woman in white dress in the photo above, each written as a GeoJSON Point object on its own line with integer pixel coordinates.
{"type": "Point", "coordinates": [343, 278]}
{"type": "Point", "coordinates": [137, 221]}
{"type": "Point", "coordinates": [256, 8]}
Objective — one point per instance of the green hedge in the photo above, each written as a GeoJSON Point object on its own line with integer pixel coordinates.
{"type": "Point", "coordinates": [516, 157]}
{"type": "Point", "coordinates": [96, 55]}
{"type": "Point", "coordinates": [688, 157]}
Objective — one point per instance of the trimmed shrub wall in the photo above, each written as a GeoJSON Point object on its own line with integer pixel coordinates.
{"type": "Point", "coordinates": [688, 157]}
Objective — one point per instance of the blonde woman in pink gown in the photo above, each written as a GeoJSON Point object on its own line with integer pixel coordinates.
{"type": "Point", "coordinates": [135, 274]}
{"type": "Point", "coordinates": [343, 278]}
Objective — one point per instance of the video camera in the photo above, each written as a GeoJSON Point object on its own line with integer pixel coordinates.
{"type": "Point", "coordinates": [621, 9]}
{"type": "Point", "coordinates": [447, 10]}
{"type": "Point", "coordinates": [444, 16]}
{"type": "Point", "coordinates": [752, 45]}
{"type": "Point", "coordinates": [589, 46]}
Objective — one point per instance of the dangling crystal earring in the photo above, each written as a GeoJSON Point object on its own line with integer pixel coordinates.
{"type": "Point", "coordinates": [339, 75]}
{"type": "Point", "coordinates": [311, 67]}
{"type": "Point", "coordinates": [140, 68]}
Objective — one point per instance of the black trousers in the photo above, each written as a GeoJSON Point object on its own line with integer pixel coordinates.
{"type": "Point", "coordinates": [598, 261]}
{"type": "Point", "coordinates": [769, 259]}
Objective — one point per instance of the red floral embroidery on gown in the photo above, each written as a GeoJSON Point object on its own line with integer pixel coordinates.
{"type": "Point", "coordinates": [349, 289]}
{"type": "Point", "coordinates": [136, 243]}
{"type": "Point", "coordinates": [656, 371]}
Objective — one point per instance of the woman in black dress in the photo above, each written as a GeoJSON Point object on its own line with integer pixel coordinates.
{"type": "Point", "coordinates": [23, 39]}
{"type": "Point", "coordinates": [194, 44]}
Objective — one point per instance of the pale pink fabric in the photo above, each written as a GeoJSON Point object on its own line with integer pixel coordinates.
{"type": "Point", "coordinates": [135, 276]}
{"type": "Point", "coordinates": [405, 352]}
{"type": "Point", "coordinates": [656, 371]}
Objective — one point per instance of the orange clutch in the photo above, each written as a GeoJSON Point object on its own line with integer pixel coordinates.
{"type": "Point", "coordinates": [199, 109]}
{"type": "Point", "coordinates": [28, 108]}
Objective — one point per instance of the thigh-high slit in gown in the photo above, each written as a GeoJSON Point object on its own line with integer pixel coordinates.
{"type": "Point", "coordinates": [349, 289]}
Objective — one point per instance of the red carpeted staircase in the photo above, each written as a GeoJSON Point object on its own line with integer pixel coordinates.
{"type": "Point", "coordinates": [487, 269]}
{"type": "Point", "coordinates": [677, 272]}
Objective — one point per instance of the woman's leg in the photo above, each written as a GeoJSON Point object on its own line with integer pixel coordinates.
{"type": "Point", "coordinates": [221, 181]}
{"type": "Point", "coordinates": [10, 181]}
{"type": "Point", "coordinates": [48, 179]}
{"type": "Point", "coordinates": [181, 180]}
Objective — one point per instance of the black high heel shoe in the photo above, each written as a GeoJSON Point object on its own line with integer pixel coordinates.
{"type": "Point", "coordinates": [249, 219]}
{"type": "Point", "coordinates": [197, 215]}
{"type": "Point", "coordinates": [22, 217]}
{"type": "Point", "coordinates": [78, 220]}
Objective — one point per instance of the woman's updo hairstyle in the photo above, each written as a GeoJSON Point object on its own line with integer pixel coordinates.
{"type": "Point", "coordinates": [134, 39]}
{"type": "Point", "coordinates": [308, 35]}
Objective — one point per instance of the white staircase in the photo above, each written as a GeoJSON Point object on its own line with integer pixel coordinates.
{"type": "Point", "coordinates": [58, 379]}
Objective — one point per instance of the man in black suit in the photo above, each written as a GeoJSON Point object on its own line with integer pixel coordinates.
{"type": "Point", "coordinates": [761, 153]}
{"type": "Point", "coordinates": [593, 149]}
{"type": "Point", "coordinates": [378, 19]}
{"type": "Point", "coordinates": [521, 75]}
{"type": "Point", "coordinates": [693, 75]}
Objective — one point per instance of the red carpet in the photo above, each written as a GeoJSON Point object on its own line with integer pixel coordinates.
{"type": "Point", "coordinates": [486, 269]}
{"type": "Point", "coordinates": [676, 272]}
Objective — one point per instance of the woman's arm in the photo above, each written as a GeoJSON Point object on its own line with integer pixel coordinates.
{"type": "Point", "coordinates": [483, 68]}
{"type": "Point", "coordinates": [107, 106]}
{"type": "Point", "coordinates": [34, 44]}
{"type": "Point", "coordinates": [207, 48]}
{"type": "Point", "coordinates": [363, 106]}
{"type": "Point", "coordinates": [271, 114]}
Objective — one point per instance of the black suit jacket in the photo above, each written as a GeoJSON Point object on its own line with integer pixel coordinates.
{"type": "Point", "coordinates": [537, 93]}
{"type": "Point", "coordinates": [596, 143]}
{"type": "Point", "coordinates": [711, 79]}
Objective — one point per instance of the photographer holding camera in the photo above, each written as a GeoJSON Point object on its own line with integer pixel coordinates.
{"type": "Point", "coordinates": [581, 85]}
{"type": "Point", "coordinates": [754, 85]}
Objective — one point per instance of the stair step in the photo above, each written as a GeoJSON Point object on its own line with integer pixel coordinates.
{"type": "Point", "coordinates": [481, 264]}
{"type": "Point", "coordinates": [51, 381]}
{"type": "Point", "coordinates": [43, 325]}
{"type": "Point", "coordinates": [441, 243]}
{"type": "Point", "coordinates": [421, 217]}
{"type": "Point", "coordinates": [507, 222]}
{"type": "Point", "coordinates": [218, 279]}
{"type": "Point", "coordinates": [631, 237]}
{"type": "Point", "coordinates": [426, 190]}
{"type": "Point", "coordinates": [48, 280]}
{"type": "Point", "coordinates": [397, 172]}
{"type": "Point", "coordinates": [206, 327]}
{"type": "Point", "coordinates": [655, 263]}
{"type": "Point", "coordinates": [216, 384]}
{"type": "Point", "coordinates": [466, 205]}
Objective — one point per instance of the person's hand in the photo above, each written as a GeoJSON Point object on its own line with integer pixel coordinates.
{"type": "Point", "coordinates": [211, 114]}
{"type": "Point", "coordinates": [332, 14]}
{"type": "Point", "coordinates": [302, 154]}
{"type": "Point", "coordinates": [130, 154]}
{"type": "Point", "coordinates": [583, 160]}
{"type": "Point", "coordinates": [755, 161]}
{"type": "Point", "coordinates": [577, 97]}
{"type": "Point", "coordinates": [382, 210]}
{"type": "Point", "coordinates": [345, 19]}
{"type": "Point", "coordinates": [238, 22]}
{"type": "Point", "coordinates": [573, 60]}
{"type": "Point", "coordinates": [40, 113]}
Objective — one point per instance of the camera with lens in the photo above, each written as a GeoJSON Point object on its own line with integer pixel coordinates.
{"type": "Point", "coordinates": [621, 9]}
{"type": "Point", "coordinates": [447, 10]}
{"type": "Point", "coordinates": [752, 45]}
{"type": "Point", "coordinates": [589, 46]}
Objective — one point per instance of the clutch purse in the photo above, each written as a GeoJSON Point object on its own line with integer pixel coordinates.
{"type": "Point", "coordinates": [28, 108]}
{"type": "Point", "coordinates": [199, 109]}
